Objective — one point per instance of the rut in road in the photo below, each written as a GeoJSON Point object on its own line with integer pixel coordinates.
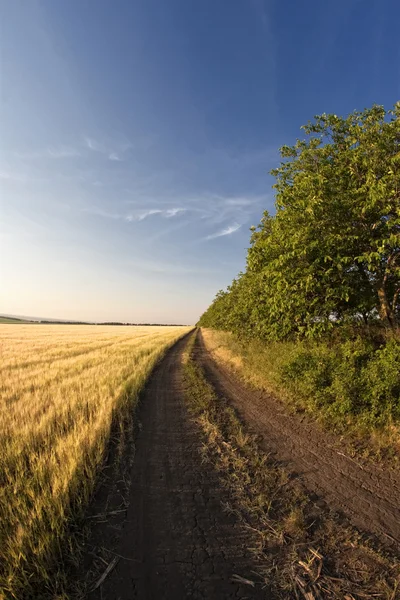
{"type": "Point", "coordinates": [177, 541]}
{"type": "Point", "coordinates": [367, 494]}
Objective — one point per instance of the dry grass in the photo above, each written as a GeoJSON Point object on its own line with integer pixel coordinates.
{"type": "Point", "coordinates": [62, 389]}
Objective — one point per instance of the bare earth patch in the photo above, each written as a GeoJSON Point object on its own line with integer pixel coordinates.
{"type": "Point", "coordinates": [367, 494]}
{"type": "Point", "coordinates": [176, 541]}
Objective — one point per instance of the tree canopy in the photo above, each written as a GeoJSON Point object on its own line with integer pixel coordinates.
{"type": "Point", "coordinates": [331, 252]}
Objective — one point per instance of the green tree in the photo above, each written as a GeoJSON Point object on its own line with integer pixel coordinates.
{"type": "Point", "coordinates": [332, 250]}
{"type": "Point", "coordinates": [338, 198]}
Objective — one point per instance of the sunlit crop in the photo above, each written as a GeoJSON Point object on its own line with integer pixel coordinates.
{"type": "Point", "coordinates": [62, 387]}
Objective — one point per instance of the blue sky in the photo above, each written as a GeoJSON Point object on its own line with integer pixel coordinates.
{"type": "Point", "coordinates": [136, 139]}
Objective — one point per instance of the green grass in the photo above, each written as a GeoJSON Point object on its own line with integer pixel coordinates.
{"type": "Point", "coordinates": [302, 553]}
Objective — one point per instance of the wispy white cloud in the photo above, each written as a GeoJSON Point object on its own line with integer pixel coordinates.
{"type": "Point", "coordinates": [216, 210]}
{"type": "Point", "coordinates": [208, 216]}
{"type": "Point", "coordinates": [112, 148]}
{"type": "Point", "coordinates": [172, 212]}
{"type": "Point", "coordinates": [56, 152]}
{"type": "Point", "coordinates": [141, 216]}
{"type": "Point", "coordinates": [240, 201]}
{"type": "Point", "coordinates": [93, 144]}
{"type": "Point", "coordinates": [226, 231]}
{"type": "Point", "coordinates": [138, 215]}
{"type": "Point", "coordinates": [168, 213]}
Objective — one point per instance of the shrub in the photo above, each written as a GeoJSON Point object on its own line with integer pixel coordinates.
{"type": "Point", "coordinates": [351, 378]}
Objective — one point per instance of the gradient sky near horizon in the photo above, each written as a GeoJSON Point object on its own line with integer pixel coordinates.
{"type": "Point", "coordinates": [136, 137]}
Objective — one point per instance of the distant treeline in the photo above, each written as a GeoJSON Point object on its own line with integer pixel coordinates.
{"type": "Point", "coordinates": [44, 322]}
{"type": "Point", "coordinates": [331, 253]}
{"type": "Point", "coordinates": [52, 322]}
{"type": "Point", "coordinates": [143, 324]}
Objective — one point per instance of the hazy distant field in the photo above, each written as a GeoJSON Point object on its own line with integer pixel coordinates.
{"type": "Point", "coordinates": [61, 386]}
{"type": "Point", "coordinates": [11, 320]}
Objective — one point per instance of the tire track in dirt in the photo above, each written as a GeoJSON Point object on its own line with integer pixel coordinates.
{"type": "Point", "coordinates": [177, 541]}
{"type": "Point", "coordinates": [367, 495]}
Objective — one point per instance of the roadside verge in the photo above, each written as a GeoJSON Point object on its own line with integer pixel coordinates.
{"type": "Point", "coordinates": [307, 551]}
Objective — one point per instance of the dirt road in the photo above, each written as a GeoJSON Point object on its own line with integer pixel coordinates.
{"type": "Point", "coordinates": [368, 495]}
{"type": "Point", "coordinates": [177, 542]}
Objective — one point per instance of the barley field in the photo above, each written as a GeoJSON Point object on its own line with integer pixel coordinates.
{"type": "Point", "coordinates": [62, 387]}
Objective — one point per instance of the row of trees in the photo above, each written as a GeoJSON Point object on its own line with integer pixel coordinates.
{"type": "Point", "coordinates": [331, 252]}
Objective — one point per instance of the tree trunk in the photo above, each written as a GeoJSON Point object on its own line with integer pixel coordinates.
{"type": "Point", "coordinates": [394, 306]}
{"type": "Point", "coordinates": [385, 311]}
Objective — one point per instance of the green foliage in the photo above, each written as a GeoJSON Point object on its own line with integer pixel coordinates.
{"type": "Point", "coordinates": [381, 379]}
{"type": "Point", "coordinates": [331, 253]}
{"type": "Point", "coordinates": [350, 379]}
